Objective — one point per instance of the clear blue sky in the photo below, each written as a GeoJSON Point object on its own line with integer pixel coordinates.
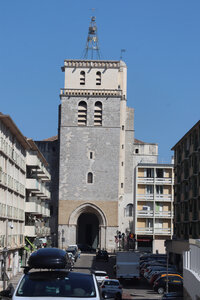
{"type": "Point", "coordinates": [162, 42]}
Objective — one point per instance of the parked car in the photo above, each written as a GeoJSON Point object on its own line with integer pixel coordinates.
{"type": "Point", "coordinates": [156, 275]}
{"type": "Point", "coordinates": [74, 251]}
{"type": "Point", "coordinates": [100, 276]}
{"type": "Point", "coordinates": [175, 283]}
{"type": "Point", "coordinates": [102, 255]}
{"type": "Point", "coordinates": [111, 287]}
{"type": "Point", "coordinates": [46, 278]}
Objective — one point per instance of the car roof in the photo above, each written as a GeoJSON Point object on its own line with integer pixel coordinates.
{"type": "Point", "coordinates": [114, 280]}
{"type": "Point", "coordinates": [103, 272]}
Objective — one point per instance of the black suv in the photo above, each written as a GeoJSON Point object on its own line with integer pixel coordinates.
{"type": "Point", "coordinates": [102, 255]}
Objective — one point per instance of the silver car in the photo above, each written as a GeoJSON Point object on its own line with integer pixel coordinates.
{"type": "Point", "coordinates": [111, 288]}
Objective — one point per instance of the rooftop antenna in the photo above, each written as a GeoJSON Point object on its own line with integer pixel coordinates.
{"type": "Point", "coordinates": [92, 46]}
{"type": "Point", "coordinates": [122, 50]}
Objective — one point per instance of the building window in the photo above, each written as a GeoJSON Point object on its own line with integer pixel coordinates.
{"type": "Point", "coordinates": [129, 210]}
{"type": "Point", "coordinates": [98, 78]}
{"type": "Point", "coordinates": [98, 114]}
{"type": "Point", "coordinates": [91, 155]}
{"type": "Point", "coordinates": [90, 177]}
{"type": "Point", "coordinates": [159, 173]}
{"type": "Point", "coordinates": [159, 189]}
{"type": "Point", "coordinates": [122, 146]}
{"type": "Point", "coordinates": [122, 127]}
{"type": "Point", "coordinates": [122, 185]}
{"type": "Point", "coordinates": [136, 150]}
{"type": "Point", "coordinates": [122, 163]}
{"type": "Point", "coordinates": [149, 189]}
{"type": "Point", "coordinates": [82, 113]}
{"type": "Point", "coordinates": [149, 173]}
{"type": "Point", "coordinates": [82, 78]}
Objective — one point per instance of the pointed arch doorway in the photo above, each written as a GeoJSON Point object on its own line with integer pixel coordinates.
{"type": "Point", "coordinates": [88, 229]}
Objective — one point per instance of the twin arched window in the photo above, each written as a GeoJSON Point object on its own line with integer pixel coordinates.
{"type": "Point", "coordinates": [82, 78]}
{"type": "Point", "coordinates": [82, 113]}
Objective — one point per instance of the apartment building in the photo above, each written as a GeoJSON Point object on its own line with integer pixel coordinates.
{"type": "Point", "coordinates": [187, 209]}
{"type": "Point", "coordinates": [24, 196]}
{"type": "Point", "coordinates": [13, 149]}
{"type": "Point", "coordinates": [153, 210]}
{"type": "Point", "coordinates": [37, 211]}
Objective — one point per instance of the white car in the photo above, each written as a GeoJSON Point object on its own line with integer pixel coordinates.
{"type": "Point", "coordinates": [100, 276]}
{"type": "Point", "coordinates": [47, 278]}
{"type": "Point", "coordinates": [112, 288]}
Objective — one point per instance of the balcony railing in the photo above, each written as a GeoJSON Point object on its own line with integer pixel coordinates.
{"type": "Point", "coordinates": [145, 213]}
{"type": "Point", "coordinates": [145, 197]}
{"type": "Point", "coordinates": [154, 197]}
{"type": "Point", "coordinates": [155, 180]}
{"type": "Point", "coordinates": [164, 214]}
{"type": "Point", "coordinates": [151, 230]}
{"type": "Point", "coordinates": [145, 230]}
{"type": "Point", "coordinates": [162, 231]}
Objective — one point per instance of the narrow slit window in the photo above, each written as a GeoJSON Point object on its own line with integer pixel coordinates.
{"type": "Point", "coordinates": [82, 78]}
{"type": "Point", "coordinates": [98, 78]}
{"type": "Point", "coordinates": [98, 114]}
{"type": "Point", "coordinates": [82, 113]}
{"type": "Point", "coordinates": [90, 177]}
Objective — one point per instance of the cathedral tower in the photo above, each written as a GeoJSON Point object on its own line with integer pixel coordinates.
{"type": "Point", "coordinates": [93, 117]}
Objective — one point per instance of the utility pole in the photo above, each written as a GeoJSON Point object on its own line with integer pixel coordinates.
{"type": "Point", "coordinates": [167, 285]}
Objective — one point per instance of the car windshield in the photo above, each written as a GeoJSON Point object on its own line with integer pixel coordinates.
{"type": "Point", "coordinates": [57, 284]}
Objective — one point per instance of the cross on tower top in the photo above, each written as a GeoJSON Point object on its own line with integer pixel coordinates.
{"type": "Point", "coordinates": [92, 47]}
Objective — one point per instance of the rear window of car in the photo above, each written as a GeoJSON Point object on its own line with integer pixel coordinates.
{"type": "Point", "coordinates": [56, 284]}
{"type": "Point", "coordinates": [114, 283]}
{"type": "Point", "coordinates": [100, 274]}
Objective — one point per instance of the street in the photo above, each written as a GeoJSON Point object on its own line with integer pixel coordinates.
{"type": "Point", "coordinates": [131, 290]}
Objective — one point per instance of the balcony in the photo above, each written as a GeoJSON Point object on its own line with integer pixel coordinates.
{"type": "Point", "coordinates": [163, 197]}
{"type": "Point", "coordinates": [156, 197]}
{"type": "Point", "coordinates": [151, 230]}
{"type": "Point", "coordinates": [163, 214]}
{"type": "Point", "coordinates": [37, 167]}
{"type": "Point", "coordinates": [164, 231]}
{"type": "Point", "coordinates": [32, 184]}
{"type": "Point", "coordinates": [145, 213]}
{"type": "Point", "coordinates": [33, 207]}
{"type": "Point", "coordinates": [145, 197]}
{"type": "Point", "coordinates": [166, 180]}
{"type": "Point", "coordinates": [144, 230]}
{"type": "Point", "coordinates": [145, 180]}
{"type": "Point", "coordinates": [30, 231]}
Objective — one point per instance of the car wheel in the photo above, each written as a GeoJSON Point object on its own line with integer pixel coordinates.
{"type": "Point", "coordinates": [160, 290]}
